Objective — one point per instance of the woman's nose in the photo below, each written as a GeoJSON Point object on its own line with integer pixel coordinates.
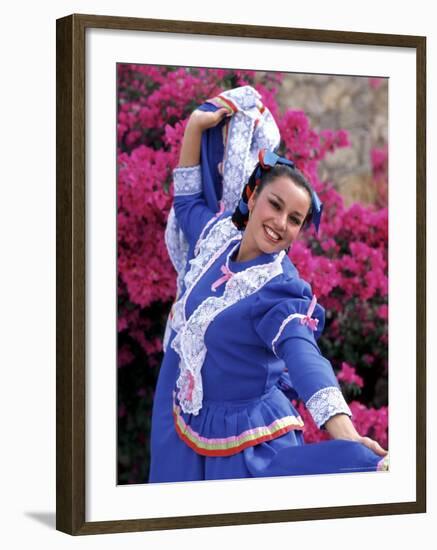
{"type": "Point", "coordinates": [281, 221]}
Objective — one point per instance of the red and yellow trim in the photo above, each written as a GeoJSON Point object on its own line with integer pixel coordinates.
{"type": "Point", "coordinates": [227, 446]}
{"type": "Point", "coordinates": [227, 103]}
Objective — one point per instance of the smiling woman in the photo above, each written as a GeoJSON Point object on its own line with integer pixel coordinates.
{"type": "Point", "coordinates": [243, 331]}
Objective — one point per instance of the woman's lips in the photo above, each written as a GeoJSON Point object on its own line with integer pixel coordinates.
{"type": "Point", "coordinates": [269, 237]}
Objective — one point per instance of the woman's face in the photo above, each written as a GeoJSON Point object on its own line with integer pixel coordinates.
{"type": "Point", "coordinates": [276, 216]}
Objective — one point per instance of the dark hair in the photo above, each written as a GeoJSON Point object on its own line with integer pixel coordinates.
{"type": "Point", "coordinates": [267, 176]}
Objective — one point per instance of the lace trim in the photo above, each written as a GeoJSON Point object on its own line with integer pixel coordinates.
{"type": "Point", "coordinates": [177, 245]}
{"type": "Point", "coordinates": [189, 343]}
{"type": "Point", "coordinates": [207, 225]}
{"type": "Point", "coordinates": [189, 340]}
{"type": "Point", "coordinates": [202, 235]}
{"type": "Point", "coordinates": [326, 403]}
{"type": "Point", "coordinates": [249, 131]}
{"type": "Point", "coordinates": [187, 180]}
{"type": "Point", "coordinates": [266, 136]}
{"type": "Point", "coordinates": [221, 234]}
{"type": "Point", "coordinates": [244, 97]}
{"type": "Point", "coordinates": [236, 157]}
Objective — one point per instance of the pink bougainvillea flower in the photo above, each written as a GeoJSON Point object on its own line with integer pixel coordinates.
{"type": "Point", "coordinates": [349, 375]}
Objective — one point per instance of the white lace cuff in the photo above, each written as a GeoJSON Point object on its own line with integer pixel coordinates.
{"type": "Point", "coordinates": [326, 403]}
{"type": "Point", "coordinates": [187, 180]}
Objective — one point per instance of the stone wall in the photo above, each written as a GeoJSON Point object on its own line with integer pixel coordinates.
{"type": "Point", "coordinates": [356, 104]}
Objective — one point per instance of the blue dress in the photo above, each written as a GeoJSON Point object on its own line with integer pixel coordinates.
{"type": "Point", "coordinates": [243, 341]}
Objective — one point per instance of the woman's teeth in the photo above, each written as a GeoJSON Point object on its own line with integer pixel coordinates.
{"type": "Point", "coordinates": [271, 233]}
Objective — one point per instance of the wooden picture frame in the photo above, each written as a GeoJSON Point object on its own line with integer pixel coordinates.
{"type": "Point", "coordinates": [71, 249]}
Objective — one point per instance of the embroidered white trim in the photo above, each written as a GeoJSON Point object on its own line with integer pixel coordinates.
{"type": "Point", "coordinates": [202, 234]}
{"type": "Point", "coordinates": [236, 157]}
{"type": "Point", "coordinates": [189, 341]}
{"type": "Point", "coordinates": [249, 131]}
{"type": "Point", "coordinates": [244, 97]}
{"type": "Point", "coordinates": [326, 403]}
{"type": "Point", "coordinates": [187, 180]}
{"type": "Point", "coordinates": [210, 248]}
{"type": "Point", "coordinates": [283, 325]}
{"type": "Point", "coordinates": [177, 245]}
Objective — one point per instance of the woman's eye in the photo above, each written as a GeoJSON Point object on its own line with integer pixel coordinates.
{"type": "Point", "coordinates": [277, 206]}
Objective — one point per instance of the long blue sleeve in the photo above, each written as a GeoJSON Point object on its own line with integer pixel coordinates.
{"type": "Point", "coordinates": [277, 316]}
{"type": "Point", "coordinates": [191, 210]}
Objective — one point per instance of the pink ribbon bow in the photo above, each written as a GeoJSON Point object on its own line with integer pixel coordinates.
{"type": "Point", "coordinates": [227, 275]}
{"type": "Point", "coordinates": [307, 320]}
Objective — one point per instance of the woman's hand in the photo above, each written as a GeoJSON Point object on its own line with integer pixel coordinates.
{"type": "Point", "coordinates": [372, 445]}
{"type": "Point", "coordinates": [340, 426]}
{"type": "Point", "coordinates": [197, 123]}
{"type": "Point", "coordinates": [202, 120]}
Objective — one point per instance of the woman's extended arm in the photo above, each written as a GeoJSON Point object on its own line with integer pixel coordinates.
{"type": "Point", "coordinates": [311, 375]}
{"type": "Point", "coordinates": [316, 383]}
{"type": "Point", "coordinates": [191, 210]}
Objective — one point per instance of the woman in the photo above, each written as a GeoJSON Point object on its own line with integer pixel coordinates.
{"type": "Point", "coordinates": [242, 313]}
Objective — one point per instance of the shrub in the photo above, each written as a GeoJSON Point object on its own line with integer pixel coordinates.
{"type": "Point", "coordinates": [346, 263]}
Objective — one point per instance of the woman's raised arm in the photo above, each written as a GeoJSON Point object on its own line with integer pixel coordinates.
{"type": "Point", "coordinates": [190, 207]}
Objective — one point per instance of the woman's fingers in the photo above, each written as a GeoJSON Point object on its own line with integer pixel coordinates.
{"type": "Point", "coordinates": [374, 446]}
{"type": "Point", "coordinates": [208, 119]}
{"type": "Point", "coordinates": [224, 112]}
{"type": "Point", "coordinates": [218, 116]}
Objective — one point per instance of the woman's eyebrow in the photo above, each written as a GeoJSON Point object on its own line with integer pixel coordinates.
{"type": "Point", "coordinates": [282, 202]}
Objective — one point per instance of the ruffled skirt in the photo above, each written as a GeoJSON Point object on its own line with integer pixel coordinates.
{"type": "Point", "coordinates": [258, 438]}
